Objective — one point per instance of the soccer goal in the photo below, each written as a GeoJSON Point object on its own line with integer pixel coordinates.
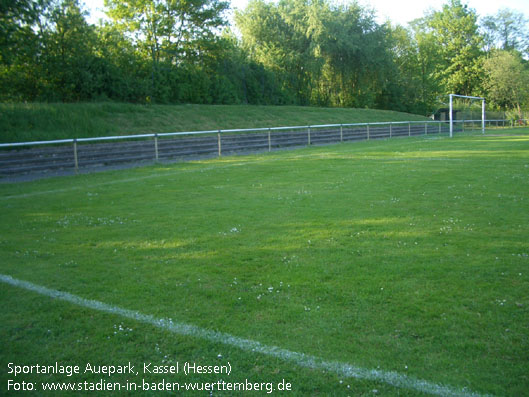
{"type": "Point", "coordinates": [451, 115]}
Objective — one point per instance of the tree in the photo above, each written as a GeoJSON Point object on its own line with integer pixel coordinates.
{"type": "Point", "coordinates": [19, 48]}
{"type": "Point", "coordinates": [17, 18]}
{"type": "Point", "coordinates": [126, 74]}
{"type": "Point", "coordinates": [167, 30]}
{"type": "Point", "coordinates": [276, 35]}
{"type": "Point", "coordinates": [356, 53]}
{"type": "Point", "coordinates": [507, 79]}
{"type": "Point", "coordinates": [68, 53]}
{"type": "Point", "coordinates": [507, 30]}
{"type": "Point", "coordinates": [454, 33]}
{"type": "Point", "coordinates": [413, 56]}
{"type": "Point", "coordinates": [325, 54]}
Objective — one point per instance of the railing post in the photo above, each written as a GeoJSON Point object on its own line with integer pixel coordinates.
{"type": "Point", "coordinates": [75, 158]}
{"type": "Point", "coordinates": [483, 116]}
{"type": "Point", "coordinates": [156, 147]}
{"type": "Point", "coordinates": [341, 132]}
{"type": "Point", "coordinates": [367, 131]}
{"type": "Point", "coordinates": [450, 114]}
{"type": "Point", "coordinates": [308, 135]}
{"type": "Point", "coordinates": [463, 125]}
{"type": "Point", "coordinates": [219, 144]}
{"type": "Point", "coordinates": [390, 129]}
{"type": "Point", "coordinates": [439, 127]}
{"type": "Point", "coordinates": [409, 128]}
{"type": "Point", "coordinates": [269, 141]}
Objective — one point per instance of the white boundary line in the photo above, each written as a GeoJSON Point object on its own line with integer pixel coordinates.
{"type": "Point", "coordinates": [304, 360]}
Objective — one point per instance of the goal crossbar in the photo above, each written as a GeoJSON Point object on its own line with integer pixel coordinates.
{"type": "Point", "coordinates": [468, 97]}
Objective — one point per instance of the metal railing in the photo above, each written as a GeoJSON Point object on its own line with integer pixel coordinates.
{"type": "Point", "coordinates": [101, 151]}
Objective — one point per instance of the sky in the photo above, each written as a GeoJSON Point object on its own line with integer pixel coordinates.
{"type": "Point", "coordinates": [397, 11]}
{"type": "Point", "coordinates": [404, 11]}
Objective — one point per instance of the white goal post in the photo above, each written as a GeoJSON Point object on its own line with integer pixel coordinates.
{"type": "Point", "coordinates": [469, 97]}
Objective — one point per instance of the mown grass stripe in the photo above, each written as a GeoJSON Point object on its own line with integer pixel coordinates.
{"type": "Point", "coordinates": [125, 180]}
{"type": "Point", "coordinates": [215, 166]}
{"type": "Point", "coordinates": [304, 360]}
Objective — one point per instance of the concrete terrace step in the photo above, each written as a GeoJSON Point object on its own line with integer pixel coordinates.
{"type": "Point", "coordinates": [114, 152]}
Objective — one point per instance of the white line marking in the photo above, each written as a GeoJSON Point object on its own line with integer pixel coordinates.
{"type": "Point", "coordinates": [303, 360]}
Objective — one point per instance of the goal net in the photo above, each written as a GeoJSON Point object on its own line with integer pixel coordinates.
{"type": "Point", "coordinates": [465, 109]}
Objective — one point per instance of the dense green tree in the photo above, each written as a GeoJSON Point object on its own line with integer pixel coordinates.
{"type": "Point", "coordinates": [507, 80]}
{"type": "Point", "coordinates": [58, 57]}
{"type": "Point", "coordinates": [166, 30]}
{"type": "Point", "coordinates": [312, 52]}
{"type": "Point", "coordinates": [413, 58]}
{"type": "Point", "coordinates": [276, 35]}
{"type": "Point", "coordinates": [237, 79]}
{"type": "Point", "coordinates": [327, 55]}
{"type": "Point", "coordinates": [454, 34]}
{"type": "Point", "coordinates": [19, 48]}
{"type": "Point", "coordinates": [68, 53]}
{"type": "Point", "coordinates": [17, 18]}
{"type": "Point", "coordinates": [127, 74]}
{"type": "Point", "coordinates": [355, 51]}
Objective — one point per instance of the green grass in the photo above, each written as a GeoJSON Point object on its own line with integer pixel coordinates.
{"type": "Point", "coordinates": [34, 121]}
{"type": "Point", "coordinates": [407, 255]}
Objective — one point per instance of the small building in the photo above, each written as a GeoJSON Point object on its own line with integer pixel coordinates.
{"type": "Point", "coordinates": [443, 114]}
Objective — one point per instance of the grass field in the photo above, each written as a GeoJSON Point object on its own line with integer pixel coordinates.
{"type": "Point", "coordinates": [407, 259]}
{"type": "Point", "coordinates": [39, 121]}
